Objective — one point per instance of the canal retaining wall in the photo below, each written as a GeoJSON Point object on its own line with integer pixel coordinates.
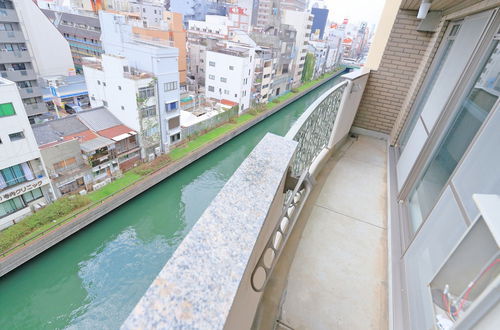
{"type": "Point", "coordinates": [34, 248]}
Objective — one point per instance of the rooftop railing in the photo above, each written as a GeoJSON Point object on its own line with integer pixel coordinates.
{"type": "Point", "coordinates": [217, 275]}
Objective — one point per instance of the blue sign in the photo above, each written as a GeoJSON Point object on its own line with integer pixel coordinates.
{"type": "Point", "coordinates": [53, 90]}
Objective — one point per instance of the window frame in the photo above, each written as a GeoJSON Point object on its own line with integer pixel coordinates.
{"type": "Point", "coordinates": [440, 130]}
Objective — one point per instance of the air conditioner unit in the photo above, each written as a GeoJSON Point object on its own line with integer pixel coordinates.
{"type": "Point", "coordinates": [157, 151]}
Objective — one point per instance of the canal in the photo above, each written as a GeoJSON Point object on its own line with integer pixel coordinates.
{"type": "Point", "coordinates": [93, 279]}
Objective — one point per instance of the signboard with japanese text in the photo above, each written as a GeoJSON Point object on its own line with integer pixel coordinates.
{"type": "Point", "coordinates": [21, 189]}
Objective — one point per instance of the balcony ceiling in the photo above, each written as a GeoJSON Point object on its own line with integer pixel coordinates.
{"type": "Point", "coordinates": [444, 5]}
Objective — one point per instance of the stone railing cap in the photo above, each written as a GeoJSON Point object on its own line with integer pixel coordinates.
{"type": "Point", "coordinates": [197, 286]}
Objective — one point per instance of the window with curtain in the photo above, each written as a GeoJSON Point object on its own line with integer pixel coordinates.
{"type": "Point", "coordinates": [11, 206]}
{"type": "Point", "coordinates": [32, 195]}
{"type": "Point", "coordinates": [13, 175]}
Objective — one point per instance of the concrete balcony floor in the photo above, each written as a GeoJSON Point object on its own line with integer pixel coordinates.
{"type": "Point", "coordinates": [333, 273]}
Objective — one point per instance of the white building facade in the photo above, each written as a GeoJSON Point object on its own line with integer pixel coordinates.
{"type": "Point", "coordinates": [129, 94]}
{"type": "Point", "coordinates": [159, 59]}
{"type": "Point", "coordinates": [229, 73]}
{"type": "Point", "coordinates": [302, 22]}
{"type": "Point", "coordinates": [24, 185]}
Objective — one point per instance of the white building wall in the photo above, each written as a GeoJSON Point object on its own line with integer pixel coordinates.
{"type": "Point", "coordinates": [18, 152]}
{"type": "Point", "coordinates": [213, 25]}
{"type": "Point", "coordinates": [151, 13]}
{"type": "Point", "coordinates": [238, 80]}
{"type": "Point", "coordinates": [160, 60]}
{"type": "Point", "coordinates": [302, 23]}
{"type": "Point", "coordinates": [49, 49]}
{"type": "Point", "coordinates": [109, 87]}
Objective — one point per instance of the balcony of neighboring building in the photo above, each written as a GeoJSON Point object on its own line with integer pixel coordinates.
{"type": "Point", "coordinates": [12, 36]}
{"type": "Point", "coordinates": [8, 14]}
{"type": "Point", "coordinates": [14, 56]}
{"type": "Point", "coordinates": [33, 109]}
{"type": "Point", "coordinates": [30, 91]}
{"type": "Point", "coordinates": [18, 75]}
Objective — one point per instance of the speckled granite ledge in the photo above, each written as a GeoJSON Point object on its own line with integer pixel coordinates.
{"type": "Point", "coordinates": [197, 286]}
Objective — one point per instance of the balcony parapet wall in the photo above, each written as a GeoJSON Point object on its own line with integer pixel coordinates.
{"type": "Point", "coordinates": [206, 283]}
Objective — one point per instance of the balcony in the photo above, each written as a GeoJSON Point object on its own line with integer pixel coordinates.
{"type": "Point", "coordinates": [11, 36]}
{"type": "Point", "coordinates": [30, 92]}
{"type": "Point", "coordinates": [19, 75]}
{"type": "Point", "coordinates": [274, 227]}
{"type": "Point", "coordinates": [8, 15]}
{"type": "Point", "coordinates": [17, 56]}
{"type": "Point", "coordinates": [35, 109]}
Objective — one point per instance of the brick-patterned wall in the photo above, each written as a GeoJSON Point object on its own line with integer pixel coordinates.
{"type": "Point", "coordinates": [391, 90]}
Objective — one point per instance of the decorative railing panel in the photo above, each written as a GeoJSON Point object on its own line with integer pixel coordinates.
{"type": "Point", "coordinates": [313, 131]}
{"type": "Point", "coordinates": [314, 128]}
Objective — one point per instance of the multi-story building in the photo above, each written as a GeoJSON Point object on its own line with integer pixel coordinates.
{"type": "Point", "coordinates": [68, 171]}
{"type": "Point", "coordinates": [150, 11]}
{"type": "Point", "coordinates": [319, 21]}
{"type": "Point", "coordinates": [302, 22]}
{"type": "Point", "coordinates": [128, 93]}
{"type": "Point", "coordinates": [229, 73]}
{"type": "Point", "coordinates": [66, 90]}
{"type": "Point", "coordinates": [126, 147]}
{"type": "Point", "coordinates": [197, 9]}
{"type": "Point", "coordinates": [281, 42]}
{"type": "Point", "coordinates": [87, 150]}
{"type": "Point", "coordinates": [128, 57]}
{"type": "Point", "coordinates": [262, 75]}
{"type": "Point", "coordinates": [24, 184]}
{"type": "Point", "coordinates": [171, 30]}
{"type": "Point", "coordinates": [320, 51]}
{"type": "Point", "coordinates": [202, 36]}
{"type": "Point", "coordinates": [81, 29]}
{"type": "Point", "coordinates": [31, 47]}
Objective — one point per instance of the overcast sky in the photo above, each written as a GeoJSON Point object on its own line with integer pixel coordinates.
{"type": "Point", "coordinates": [355, 10]}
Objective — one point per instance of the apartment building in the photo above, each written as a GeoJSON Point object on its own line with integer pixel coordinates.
{"type": "Point", "coordinates": [24, 184]}
{"type": "Point", "coordinates": [129, 94]}
{"type": "Point", "coordinates": [159, 60]}
{"type": "Point", "coordinates": [81, 29]}
{"type": "Point", "coordinates": [197, 9]}
{"type": "Point", "coordinates": [171, 30]}
{"type": "Point", "coordinates": [86, 151]}
{"type": "Point", "coordinates": [229, 74]}
{"type": "Point", "coordinates": [262, 75]}
{"type": "Point", "coordinates": [126, 148]}
{"type": "Point", "coordinates": [68, 171]}
{"type": "Point", "coordinates": [302, 22]}
{"type": "Point", "coordinates": [97, 153]}
{"type": "Point", "coordinates": [31, 47]}
{"type": "Point", "coordinates": [150, 11]}
{"type": "Point", "coordinates": [202, 36]}
{"type": "Point", "coordinates": [319, 21]}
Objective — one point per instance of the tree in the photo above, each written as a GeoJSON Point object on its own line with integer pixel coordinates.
{"type": "Point", "coordinates": [308, 71]}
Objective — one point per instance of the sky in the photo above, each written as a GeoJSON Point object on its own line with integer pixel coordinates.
{"type": "Point", "coordinates": [355, 10]}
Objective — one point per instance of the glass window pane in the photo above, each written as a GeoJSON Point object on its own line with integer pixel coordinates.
{"type": "Point", "coordinates": [425, 95]}
{"type": "Point", "coordinates": [472, 112]}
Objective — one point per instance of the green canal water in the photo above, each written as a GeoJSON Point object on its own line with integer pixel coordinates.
{"type": "Point", "coordinates": [93, 279]}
